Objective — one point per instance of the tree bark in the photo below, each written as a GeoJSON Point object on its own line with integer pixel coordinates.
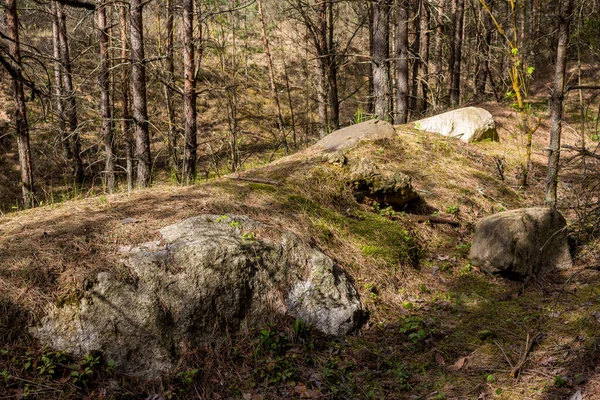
{"type": "Point", "coordinates": [169, 95]}
{"type": "Point", "coordinates": [105, 109]}
{"type": "Point", "coordinates": [273, 87]}
{"type": "Point", "coordinates": [58, 86]}
{"type": "Point", "coordinates": [557, 102]}
{"type": "Point", "coordinates": [138, 81]}
{"type": "Point", "coordinates": [70, 99]}
{"type": "Point", "coordinates": [189, 94]}
{"type": "Point", "coordinates": [334, 104]}
{"type": "Point", "coordinates": [402, 64]}
{"type": "Point", "coordinates": [423, 57]}
{"type": "Point", "coordinates": [320, 30]}
{"type": "Point", "coordinates": [416, 28]}
{"type": "Point", "coordinates": [438, 62]}
{"type": "Point", "coordinates": [485, 42]}
{"type": "Point", "coordinates": [380, 56]}
{"type": "Point", "coordinates": [458, 39]}
{"type": "Point", "coordinates": [22, 131]}
{"type": "Point", "coordinates": [125, 115]}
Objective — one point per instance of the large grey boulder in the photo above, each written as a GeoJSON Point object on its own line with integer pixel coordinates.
{"type": "Point", "coordinates": [521, 243]}
{"type": "Point", "coordinates": [207, 274]}
{"type": "Point", "coordinates": [352, 135]}
{"type": "Point", "coordinates": [469, 124]}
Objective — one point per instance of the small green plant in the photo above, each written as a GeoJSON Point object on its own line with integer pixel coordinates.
{"type": "Point", "coordinates": [559, 381]}
{"type": "Point", "coordinates": [187, 377]}
{"type": "Point", "coordinates": [235, 224]}
{"type": "Point", "coordinates": [5, 376]}
{"type": "Point", "coordinates": [489, 378]}
{"type": "Point", "coordinates": [466, 269]}
{"type": "Point", "coordinates": [402, 376]}
{"type": "Point", "coordinates": [86, 370]}
{"type": "Point", "coordinates": [270, 341]}
{"type": "Point", "coordinates": [408, 305]}
{"type": "Point", "coordinates": [463, 249]}
{"type": "Point", "coordinates": [453, 209]}
{"type": "Point", "coordinates": [387, 212]}
{"type": "Point", "coordinates": [361, 116]}
{"type": "Point", "coordinates": [46, 366]}
{"type": "Point", "coordinates": [300, 328]}
{"type": "Point", "coordinates": [371, 290]}
{"type": "Point", "coordinates": [248, 237]}
{"type": "Point", "coordinates": [111, 367]}
{"type": "Point", "coordinates": [222, 218]}
{"type": "Point", "coordinates": [413, 326]}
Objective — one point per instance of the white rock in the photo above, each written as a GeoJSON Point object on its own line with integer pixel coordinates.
{"type": "Point", "coordinates": [469, 124]}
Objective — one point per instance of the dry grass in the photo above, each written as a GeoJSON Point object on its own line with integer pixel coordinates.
{"type": "Point", "coordinates": [438, 328]}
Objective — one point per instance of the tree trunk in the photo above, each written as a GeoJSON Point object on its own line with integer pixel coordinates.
{"type": "Point", "coordinates": [69, 92]}
{"type": "Point", "coordinates": [322, 98]}
{"type": "Point", "coordinates": [380, 56]}
{"type": "Point", "coordinates": [423, 56]}
{"type": "Point", "coordinates": [274, 96]}
{"type": "Point", "coordinates": [320, 39]}
{"type": "Point", "coordinates": [402, 65]}
{"type": "Point", "coordinates": [439, 35]}
{"type": "Point", "coordinates": [334, 104]}
{"type": "Point", "coordinates": [557, 102]}
{"type": "Point", "coordinates": [58, 86]}
{"type": "Point", "coordinates": [138, 81]}
{"type": "Point", "coordinates": [458, 38]}
{"type": "Point", "coordinates": [416, 28]}
{"type": "Point", "coordinates": [189, 94]}
{"type": "Point", "coordinates": [126, 117]}
{"type": "Point", "coordinates": [105, 109]}
{"type": "Point", "coordinates": [481, 76]}
{"type": "Point", "coordinates": [172, 133]}
{"type": "Point", "coordinates": [22, 133]}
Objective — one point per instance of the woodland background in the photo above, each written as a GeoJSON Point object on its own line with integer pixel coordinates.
{"type": "Point", "coordinates": [118, 94]}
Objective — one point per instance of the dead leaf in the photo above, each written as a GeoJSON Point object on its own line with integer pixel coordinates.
{"type": "Point", "coordinates": [460, 363]}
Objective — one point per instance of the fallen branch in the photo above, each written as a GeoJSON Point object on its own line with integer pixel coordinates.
{"type": "Point", "coordinates": [582, 151]}
{"type": "Point", "coordinates": [529, 342]}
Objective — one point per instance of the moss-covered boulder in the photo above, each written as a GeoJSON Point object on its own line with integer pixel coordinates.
{"type": "Point", "coordinates": [522, 243]}
{"type": "Point", "coordinates": [390, 187]}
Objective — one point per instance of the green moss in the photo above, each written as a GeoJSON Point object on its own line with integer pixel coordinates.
{"type": "Point", "coordinates": [384, 239]}
{"type": "Point", "coordinates": [378, 237]}
{"type": "Point", "coordinates": [262, 187]}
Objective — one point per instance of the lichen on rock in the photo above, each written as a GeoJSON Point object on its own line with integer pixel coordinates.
{"type": "Point", "coordinates": [207, 271]}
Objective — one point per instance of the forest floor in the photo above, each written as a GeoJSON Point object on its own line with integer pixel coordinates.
{"type": "Point", "coordinates": [438, 327]}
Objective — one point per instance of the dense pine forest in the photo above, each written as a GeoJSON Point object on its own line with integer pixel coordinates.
{"type": "Point", "coordinates": [273, 199]}
{"type": "Point", "coordinates": [109, 96]}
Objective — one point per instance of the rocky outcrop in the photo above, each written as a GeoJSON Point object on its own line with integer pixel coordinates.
{"type": "Point", "coordinates": [469, 124]}
{"type": "Point", "coordinates": [521, 243]}
{"type": "Point", "coordinates": [350, 136]}
{"type": "Point", "coordinates": [389, 187]}
{"type": "Point", "coordinates": [206, 274]}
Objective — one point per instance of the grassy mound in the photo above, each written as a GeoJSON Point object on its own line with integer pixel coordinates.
{"type": "Point", "coordinates": [438, 327]}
